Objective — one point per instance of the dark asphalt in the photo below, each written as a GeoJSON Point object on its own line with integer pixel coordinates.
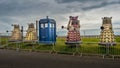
{"type": "Point", "coordinates": [13, 59]}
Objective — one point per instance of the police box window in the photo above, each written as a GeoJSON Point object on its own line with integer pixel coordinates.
{"type": "Point", "coordinates": [46, 25]}
{"type": "Point", "coordinates": [52, 25]}
{"type": "Point", "coordinates": [42, 25]}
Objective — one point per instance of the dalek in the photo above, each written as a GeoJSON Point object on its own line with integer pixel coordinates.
{"type": "Point", "coordinates": [16, 33]}
{"type": "Point", "coordinates": [31, 34]}
{"type": "Point", "coordinates": [73, 27]}
{"type": "Point", "coordinates": [107, 34]}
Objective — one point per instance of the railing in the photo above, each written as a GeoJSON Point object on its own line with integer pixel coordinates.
{"type": "Point", "coordinates": [89, 46]}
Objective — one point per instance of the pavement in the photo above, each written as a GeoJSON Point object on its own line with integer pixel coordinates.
{"type": "Point", "coordinates": [15, 59]}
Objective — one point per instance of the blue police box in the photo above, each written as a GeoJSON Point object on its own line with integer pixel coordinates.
{"type": "Point", "coordinates": [47, 31]}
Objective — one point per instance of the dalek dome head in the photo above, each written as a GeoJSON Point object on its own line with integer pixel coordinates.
{"type": "Point", "coordinates": [106, 24]}
{"type": "Point", "coordinates": [73, 17]}
{"type": "Point", "coordinates": [106, 20]}
{"type": "Point", "coordinates": [31, 25]}
{"type": "Point", "coordinates": [74, 20]}
{"type": "Point", "coordinates": [15, 25]}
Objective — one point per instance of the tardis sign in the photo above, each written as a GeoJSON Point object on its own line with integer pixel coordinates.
{"type": "Point", "coordinates": [47, 31]}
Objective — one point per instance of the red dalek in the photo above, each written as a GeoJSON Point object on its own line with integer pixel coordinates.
{"type": "Point", "coordinates": [73, 27]}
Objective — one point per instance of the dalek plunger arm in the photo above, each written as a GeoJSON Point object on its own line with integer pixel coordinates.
{"type": "Point", "coordinates": [68, 26]}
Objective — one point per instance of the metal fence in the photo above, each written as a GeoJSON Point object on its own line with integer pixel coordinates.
{"type": "Point", "coordinates": [86, 48]}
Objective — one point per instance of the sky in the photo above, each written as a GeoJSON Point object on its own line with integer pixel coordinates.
{"type": "Point", "coordinates": [89, 12]}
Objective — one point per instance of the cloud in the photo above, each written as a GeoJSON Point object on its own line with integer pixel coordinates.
{"type": "Point", "coordinates": [22, 7]}
{"type": "Point", "coordinates": [88, 4]}
{"type": "Point", "coordinates": [84, 1]}
{"type": "Point", "coordinates": [69, 1]}
{"type": "Point", "coordinates": [102, 4]}
{"type": "Point", "coordinates": [28, 11]}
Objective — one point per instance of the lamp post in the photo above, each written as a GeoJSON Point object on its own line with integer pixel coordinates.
{"type": "Point", "coordinates": [0, 39]}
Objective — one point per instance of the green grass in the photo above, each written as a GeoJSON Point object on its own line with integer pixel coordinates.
{"type": "Point", "coordinates": [86, 46]}
{"type": "Point", "coordinates": [89, 39]}
{"type": "Point", "coordinates": [117, 39]}
{"type": "Point", "coordinates": [3, 41]}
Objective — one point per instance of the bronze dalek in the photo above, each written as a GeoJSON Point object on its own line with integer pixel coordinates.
{"type": "Point", "coordinates": [31, 34]}
{"type": "Point", "coordinates": [73, 27]}
{"type": "Point", "coordinates": [107, 34]}
{"type": "Point", "coordinates": [16, 33]}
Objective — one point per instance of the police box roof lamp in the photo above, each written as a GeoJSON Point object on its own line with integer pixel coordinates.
{"type": "Point", "coordinates": [47, 17]}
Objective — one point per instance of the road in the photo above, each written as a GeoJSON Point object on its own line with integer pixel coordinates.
{"type": "Point", "coordinates": [14, 59]}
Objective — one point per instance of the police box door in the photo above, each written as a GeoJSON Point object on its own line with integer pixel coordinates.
{"type": "Point", "coordinates": [43, 32]}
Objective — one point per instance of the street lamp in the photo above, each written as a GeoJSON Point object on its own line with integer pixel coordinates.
{"type": "Point", "coordinates": [0, 39]}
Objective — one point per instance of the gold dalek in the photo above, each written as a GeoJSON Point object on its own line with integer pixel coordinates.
{"type": "Point", "coordinates": [107, 34]}
{"type": "Point", "coordinates": [31, 34]}
{"type": "Point", "coordinates": [16, 33]}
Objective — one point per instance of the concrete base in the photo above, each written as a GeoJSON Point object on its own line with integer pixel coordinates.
{"type": "Point", "coordinates": [30, 41]}
{"type": "Point", "coordinates": [73, 44]}
{"type": "Point", "coordinates": [78, 42]}
{"type": "Point", "coordinates": [15, 41]}
{"type": "Point", "coordinates": [109, 43]}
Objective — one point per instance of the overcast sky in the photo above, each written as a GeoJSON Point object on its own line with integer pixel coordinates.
{"type": "Point", "coordinates": [90, 12]}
